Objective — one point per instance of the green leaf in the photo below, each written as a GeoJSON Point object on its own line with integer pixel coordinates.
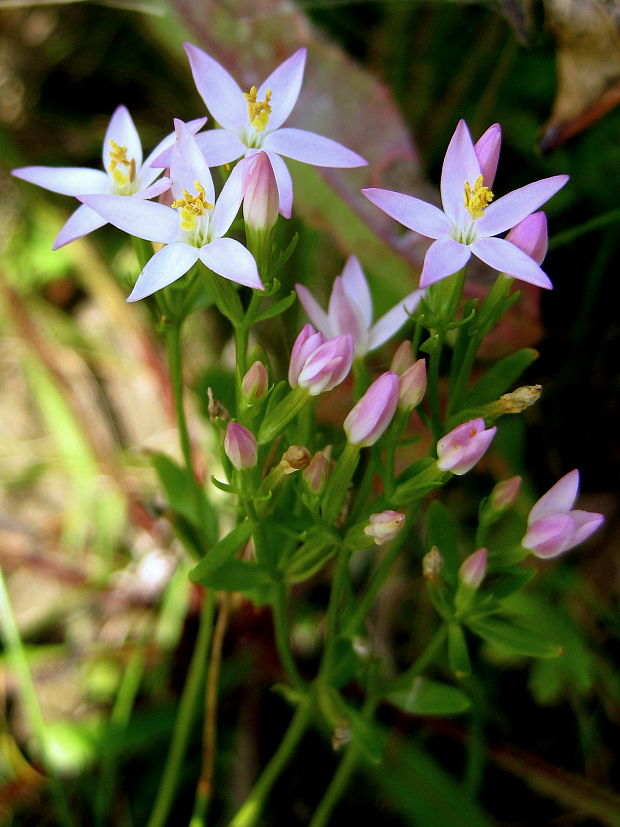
{"type": "Point", "coordinates": [441, 532]}
{"type": "Point", "coordinates": [236, 576]}
{"type": "Point", "coordinates": [514, 638]}
{"type": "Point", "coordinates": [426, 697]}
{"type": "Point", "coordinates": [222, 552]}
{"type": "Point", "coordinates": [277, 308]}
{"type": "Point", "coordinates": [499, 378]}
{"type": "Point", "coordinates": [458, 653]}
{"type": "Point", "coordinates": [309, 558]}
{"type": "Point", "coordinates": [179, 494]}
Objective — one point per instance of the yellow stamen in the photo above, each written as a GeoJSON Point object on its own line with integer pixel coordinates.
{"type": "Point", "coordinates": [478, 198]}
{"type": "Point", "coordinates": [118, 155]}
{"type": "Point", "coordinates": [192, 206]}
{"type": "Point", "coordinates": [258, 111]}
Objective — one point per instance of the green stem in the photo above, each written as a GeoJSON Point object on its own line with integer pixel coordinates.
{"type": "Point", "coordinates": [280, 623]}
{"type": "Point", "coordinates": [433, 384]}
{"type": "Point", "coordinates": [333, 612]}
{"type": "Point", "coordinates": [428, 655]}
{"type": "Point", "coordinates": [337, 787]}
{"type": "Point", "coordinates": [581, 229]}
{"type": "Point", "coordinates": [338, 484]}
{"type": "Point", "coordinates": [464, 372]}
{"type": "Point", "coordinates": [250, 811]}
{"type": "Point", "coordinates": [184, 723]}
{"type": "Point", "coordinates": [18, 661]}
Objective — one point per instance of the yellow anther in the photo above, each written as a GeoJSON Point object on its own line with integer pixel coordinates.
{"type": "Point", "coordinates": [477, 198]}
{"type": "Point", "coordinates": [258, 111]}
{"type": "Point", "coordinates": [192, 206]}
{"type": "Point", "coordinates": [118, 155]}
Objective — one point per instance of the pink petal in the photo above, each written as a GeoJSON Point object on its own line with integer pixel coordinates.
{"type": "Point", "coordinates": [487, 151]}
{"type": "Point", "coordinates": [284, 182]}
{"type": "Point", "coordinates": [220, 92]}
{"type": "Point", "coordinates": [559, 498]}
{"type": "Point", "coordinates": [187, 165]}
{"type": "Point", "coordinates": [166, 266]}
{"type": "Point", "coordinates": [285, 84]}
{"type": "Point", "coordinates": [163, 185]}
{"type": "Point", "coordinates": [506, 258]}
{"type": "Point", "coordinates": [443, 258]}
{"type": "Point", "coordinates": [228, 203]}
{"type": "Point", "coordinates": [230, 259]}
{"type": "Point", "coordinates": [65, 180]}
{"type": "Point", "coordinates": [412, 212]}
{"type": "Point", "coordinates": [219, 146]}
{"type": "Point", "coordinates": [507, 211]}
{"type": "Point", "coordinates": [144, 219]}
{"type": "Point", "coordinates": [346, 317]}
{"type": "Point", "coordinates": [159, 158]}
{"type": "Point", "coordinates": [356, 287]}
{"type": "Point", "coordinates": [311, 148]}
{"type": "Point", "coordinates": [83, 221]}
{"type": "Point", "coordinates": [459, 165]}
{"type": "Point", "coordinates": [393, 320]}
{"type": "Point", "coordinates": [586, 523]}
{"type": "Point", "coordinates": [122, 131]}
{"type": "Point", "coordinates": [307, 341]}
{"type": "Point", "coordinates": [530, 235]}
{"type": "Point", "coordinates": [549, 535]}
{"type": "Point", "coordinates": [314, 311]}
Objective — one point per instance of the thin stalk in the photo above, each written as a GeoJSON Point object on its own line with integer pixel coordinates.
{"type": "Point", "coordinates": [250, 811]}
{"type": "Point", "coordinates": [185, 718]}
{"type": "Point", "coordinates": [333, 611]}
{"type": "Point", "coordinates": [204, 789]}
{"type": "Point", "coordinates": [282, 636]}
{"type": "Point", "coordinates": [19, 664]}
{"type": "Point", "coordinates": [560, 239]}
{"type": "Point", "coordinates": [337, 786]}
{"type": "Point", "coordinates": [433, 384]}
{"type": "Point", "coordinates": [462, 377]}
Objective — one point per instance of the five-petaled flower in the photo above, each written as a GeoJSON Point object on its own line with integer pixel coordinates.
{"type": "Point", "coordinates": [125, 174]}
{"type": "Point", "coordinates": [471, 218]}
{"type": "Point", "coordinates": [251, 121]}
{"type": "Point", "coordinates": [553, 526]}
{"type": "Point", "coordinates": [191, 229]}
{"type": "Point", "coordinates": [350, 310]}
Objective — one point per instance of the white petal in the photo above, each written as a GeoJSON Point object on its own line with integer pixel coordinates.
{"type": "Point", "coordinates": [284, 182]}
{"type": "Point", "coordinates": [229, 259]}
{"type": "Point", "coordinates": [506, 258]}
{"type": "Point", "coordinates": [393, 320]}
{"type": "Point", "coordinates": [220, 146]}
{"type": "Point", "coordinates": [512, 208]}
{"type": "Point", "coordinates": [83, 221]}
{"type": "Point", "coordinates": [166, 266]}
{"type": "Point", "coordinates": [356, 287]}
{"type": "Point", "coordinates": [123, 132]}
{"type": "Point", "coordinates": [558, 499]}
{"type": "Point", "coordinates": [459, 165]}
{"type": "Point", "coordinates": [311, 148]}
{"type": "Point", "coordinates": [443, 258]}
{"type": "Point", "coordinates": [412, 212]}
{"type": "Point", "coordinates": [144, 219]}
{"type": "Point", "coordinates": [228, 203]}
{"type": "Point", "coordinates": [163, 185]}
{"type": "Point", "coordinates": [314, 311]}
{"type": "Point", "coordinates": [220, 92]}
{"type": "Point", "coordinates": [187, 165]}
{"type": "Point", "coordinates": [159, 158]}
{"type": "Point", "coordinates": [65, 180]}
{"type": "Point", "coordinates": [285, 84]}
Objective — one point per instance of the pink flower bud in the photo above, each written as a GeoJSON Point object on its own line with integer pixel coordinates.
{"type": "Point", "coordinates": [505, 493]}
{"type": "Point", "coordinates": [260, 200]}
{"type": "Point", "coordinates": [318, 365]}
{"type": "Point", "coordinates": [402, 358]}
{"type": "Point", "coordinates": [384, 526]}
{"type": "Point", "coordinates": [368, 420]}
{"type": "Point", "coordinates": [240, 446]}
{"type": "Point", "coordinates": [530, 235]}
{"type": "Point", "coordinates": [487, 150]}
{"type": "Point", "coordinates": [460, 450]}
{"type": "Point", "coordinates": [473, 569]}
{"type": "Point", "coordinates": [552, 527]}
{"type": "Point", "coordinates": [255, 382]}
{"type": "Point", "coordinates": [412, 386]}
{"type": "Point", "coordinates": [315, 475]}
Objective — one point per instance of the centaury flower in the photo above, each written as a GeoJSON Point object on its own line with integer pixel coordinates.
{"type": "Point", "coordinates": [252, 120]}
{"type": "Point", "coordinates": [350, 310]}
{"type": "Point", "coordinates": [125, 174]}
{"type": "Point", "coordinates": [191, 229]}
{"type": "Point", "coordinates": [471, 219]}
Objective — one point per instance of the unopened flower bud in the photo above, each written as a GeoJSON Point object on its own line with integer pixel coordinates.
{"type": "Point", "coordinates": [315, 475]}
{"type": "Point", "coordinates": [487, 151]}
{"type": "Point", "coordinates": [412, 386]}
{"type": "Point", "coordinates": [473, 569]}
{"type": "Point", "coordinates": [432, 564]}
{"type": "Point", "coordinates": [260, 201]}
{"type": "Point", "coordinates": [504, 494]}
{"type": "Point", "coordinates": [459, 450]}
{"type": "Point", "coordinates": [240, 446]}
{"type": "Point", "coordinates": [530, 235]}
{"type": "Point", "coordinates": [318, 365]}
{"type": "Point", "coordinates": [520, 399]}
{"type": "Point", "coordinates": [384, 526]}
{"type": "Point", "coordinates": [370, 417]}
{"type": "Point", "coordinates": [295, 458]}
{"type": "Point", "coordinates": [402, 358]}
{"type": "Point", "coordinates": [255, 382]}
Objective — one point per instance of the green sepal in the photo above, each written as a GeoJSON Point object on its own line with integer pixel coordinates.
{"type": "Point", "coordinates": [276, 309]}
{"type": "Point", "coordinates": [277, 417]}
{"type": "Point", "coordinates": [223, 486]}
{"type": "Point", "coordinates": [458, 651]}
{"type": "Point", "coordinates": [426, 480]}
{"type": "Point", "coordinates": [441, 532]}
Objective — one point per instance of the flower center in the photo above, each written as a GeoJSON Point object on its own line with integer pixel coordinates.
{"type": "Point", "coordinates": [258, 111]}
{"type": "Point", "coordinates": [192, 206]}
{"type": "Point", "coordinates": [118, 158]}
{"type": "Point", "coordinates": [477, 198]}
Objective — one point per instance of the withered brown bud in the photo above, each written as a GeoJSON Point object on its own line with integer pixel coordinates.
{"type": "Point", "coordinates": [520, 399]}
{"type": "Point", "coordinates": [217, 411]}
{"type": "Point", "coordinates": [295, 458]}
{"type": "Point", "coordinates": [432, 564]}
